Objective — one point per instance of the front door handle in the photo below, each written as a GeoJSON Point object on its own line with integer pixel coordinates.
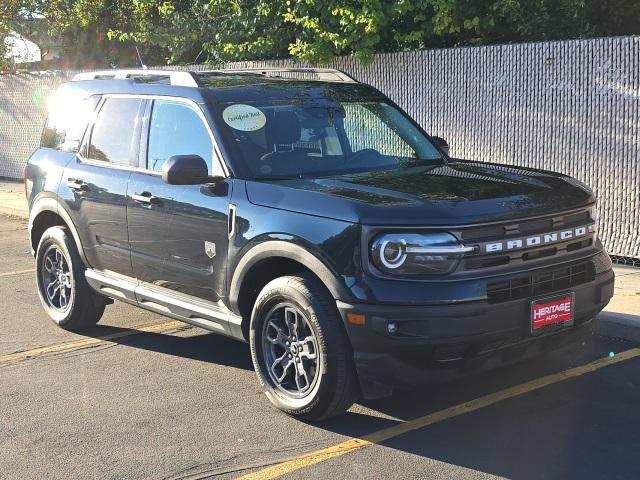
{"type": "Point", "coordinates": [77, 184]}
{"type": "Point", "coordinates": [145, 197]}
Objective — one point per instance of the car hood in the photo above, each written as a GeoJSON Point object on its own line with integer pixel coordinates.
{"type": "Point", "coordinates": [451, 194]}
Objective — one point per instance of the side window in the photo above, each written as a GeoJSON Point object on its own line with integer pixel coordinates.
{"type": "Point", "coordinates": [177, 129]}
{"type": "Point", "coordinates": [67, 121]}
{"type": "Point", "coordinates": [112, 138]}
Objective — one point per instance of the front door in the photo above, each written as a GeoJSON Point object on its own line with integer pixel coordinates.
{"type": "Point", "coordinates": [94, 185]}
{"type": "Point", "coordinates": [178, 233]}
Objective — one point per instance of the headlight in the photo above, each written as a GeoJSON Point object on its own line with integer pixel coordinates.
{"type": "Point", "coordinates": [417, 253]}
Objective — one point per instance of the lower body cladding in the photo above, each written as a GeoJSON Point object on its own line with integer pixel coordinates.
{"type": "Point", "coordinates": [418, 345]}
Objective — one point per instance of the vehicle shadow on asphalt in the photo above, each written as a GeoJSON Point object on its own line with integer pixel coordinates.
{"type": "Point", "coordinates": [582, 428]}
{"type": "Point", "coordinates": [206, 347]}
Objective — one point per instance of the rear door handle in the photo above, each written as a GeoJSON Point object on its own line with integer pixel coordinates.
{"type": "Point", "coordinates": [77, 184]}
{"type": "Point", "coordinates": [145, 197]}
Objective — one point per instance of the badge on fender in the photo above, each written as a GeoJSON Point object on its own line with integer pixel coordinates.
{"type": "Point", "coordinates": [210, 249]}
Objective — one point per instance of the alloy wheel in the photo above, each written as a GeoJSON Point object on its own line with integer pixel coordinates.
{"type": "Point", "coordinates": [56, 279]}
{"type": "Point", "coordinates": [290, 350]}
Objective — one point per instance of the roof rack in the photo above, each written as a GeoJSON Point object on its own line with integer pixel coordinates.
{"type": "Point", "coordinates": [330, 74]}
{"type": "Point", "coordinates": [190, 78]}
{"type": "Point", "coordinates": [174, 77]}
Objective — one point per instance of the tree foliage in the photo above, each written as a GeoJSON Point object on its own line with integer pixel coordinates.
{"type": "Point", "coordinates": [9, 15]}
{"type": "Point", "coordinates": [197, 31]}
{"type": "Point", "coordinates": [317, 30]}
{"type": "Point", "coordinates": [79, 29]}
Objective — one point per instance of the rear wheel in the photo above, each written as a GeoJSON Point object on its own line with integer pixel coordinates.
{"type": "Point", "coordinates": [300, 350]}
{"type": "Point", "coordinates": [62, 287]}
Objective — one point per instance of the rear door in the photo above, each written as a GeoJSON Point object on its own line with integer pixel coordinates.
{"type": "Point", "coordinates": [94, 185]}
{"type": "Point", "coordinates": [178, 233]}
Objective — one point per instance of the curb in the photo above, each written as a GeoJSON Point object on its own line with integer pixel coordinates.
{"type": "Point", "coordinates": [618, 325]}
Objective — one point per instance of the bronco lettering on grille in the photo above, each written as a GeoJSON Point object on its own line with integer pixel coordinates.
{"type": "Point", "coordinates": [536, 240]}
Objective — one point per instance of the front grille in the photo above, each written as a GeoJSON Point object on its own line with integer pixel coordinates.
{"type": "Point", "coordinates": [541, 282]}
{"type": "Point", "coordinates": [518, 230]}
{"type": "Point", "coordinates": [525, 227]}
{"type": "Point", "coordinates": [493, 260]}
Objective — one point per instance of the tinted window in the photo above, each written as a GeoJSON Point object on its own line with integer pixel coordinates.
{"type": "Point", "coordinates": [67, 121]}
{"type": "Point", "coordinates": [112, 139]}
{"type": "Point", "coordinates": [176, 129]}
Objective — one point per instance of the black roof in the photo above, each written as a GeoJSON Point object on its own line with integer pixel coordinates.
{"type": "Point", "coordinates": [229, 87]}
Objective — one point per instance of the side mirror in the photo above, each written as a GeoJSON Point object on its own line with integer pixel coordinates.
{"type": "Point", "coordinates": [185, 170]}
{"type": "Point", "coordinates": [442, 144]}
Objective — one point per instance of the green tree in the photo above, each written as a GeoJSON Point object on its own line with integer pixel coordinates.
{"type": "Point", "coordinates": [210, 30]}
{"type": "Point", "coordinates": [106, 32]}
{"type": "Point", "coordinates": [11, 16]}
{"type": "Point", "coordinates": [317, 30]}
{"type": "Point", "coordinates": [78, 28]}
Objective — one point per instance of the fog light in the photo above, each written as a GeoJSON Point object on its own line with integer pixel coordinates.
{"type": "Point", "coordinates": [392, 328]}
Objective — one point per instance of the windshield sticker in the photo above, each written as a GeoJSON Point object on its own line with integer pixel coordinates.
{"type": "Point", "coordinates": [244, 117]}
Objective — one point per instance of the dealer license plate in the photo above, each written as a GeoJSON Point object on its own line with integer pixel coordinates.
{"type": "Point", "coordinates": [551, 313]}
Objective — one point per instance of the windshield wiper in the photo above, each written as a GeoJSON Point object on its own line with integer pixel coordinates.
{"type": "Point", "coordinates": [420, 162]}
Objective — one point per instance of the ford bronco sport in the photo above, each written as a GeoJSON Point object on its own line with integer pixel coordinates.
{"type": "Point", "coordinates": [307, 214]}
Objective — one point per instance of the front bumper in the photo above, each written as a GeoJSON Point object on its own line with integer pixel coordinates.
{"type": "Point", "coordinates": [433, 342]}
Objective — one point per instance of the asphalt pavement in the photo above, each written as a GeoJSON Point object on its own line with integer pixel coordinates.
{"type": "Point", "coordinates": [144, 397]}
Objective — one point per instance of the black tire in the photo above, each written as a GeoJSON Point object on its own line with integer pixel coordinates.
{"type": "Point", "coordinates": [335, 386]}
{"type": "Point", "coordinates": [57, 257]}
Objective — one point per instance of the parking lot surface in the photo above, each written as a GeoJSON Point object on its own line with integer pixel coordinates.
{"type": "Point", "coordinates": [141, 396]}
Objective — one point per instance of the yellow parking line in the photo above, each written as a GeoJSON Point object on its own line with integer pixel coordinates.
{"type": "Point", "coordinates": [85, 342]}
{"type": "Point", "coordinates": [17, 272]}
{"type": "Point", "coordinates": [348, 446]}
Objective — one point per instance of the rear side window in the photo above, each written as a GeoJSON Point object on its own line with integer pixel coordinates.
{"type": "Point", "coordinates": [114, 132]}
{"type": "Point", "coordinates": [67, 121]}
{"type": "Point", "coordinates": [177, 129]}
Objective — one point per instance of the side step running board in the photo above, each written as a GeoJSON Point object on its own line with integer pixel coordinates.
{"type": "Point", "coordinates": [186, 308]}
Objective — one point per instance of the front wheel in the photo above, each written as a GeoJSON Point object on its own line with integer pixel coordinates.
{"type": "Point", "coordinates": [300, 351]}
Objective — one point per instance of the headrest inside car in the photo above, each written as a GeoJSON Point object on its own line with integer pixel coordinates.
{"type": "Point", "coordinates": [284, 127]}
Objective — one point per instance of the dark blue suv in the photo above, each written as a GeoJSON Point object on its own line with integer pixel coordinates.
{"type": "Point", "coordinates": [307, 214]}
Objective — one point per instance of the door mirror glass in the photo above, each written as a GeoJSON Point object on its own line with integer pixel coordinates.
{"type": "Point", "coordinates": [442, 144]}
{"type": "Point", "coordinates": [185, 170]}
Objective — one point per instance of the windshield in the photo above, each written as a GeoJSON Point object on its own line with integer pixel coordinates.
{"type": "Point", "coordinates": [324, 138]}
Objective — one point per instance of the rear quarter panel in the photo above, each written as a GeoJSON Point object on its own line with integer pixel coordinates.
{"type": "Point", "coordinates": [44, 173]}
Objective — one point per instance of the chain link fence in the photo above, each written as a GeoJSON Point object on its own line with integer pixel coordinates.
{"type": "Point", "coordinates": [23, 111]}
{"type": "Point", "coordinates": [571, 106]}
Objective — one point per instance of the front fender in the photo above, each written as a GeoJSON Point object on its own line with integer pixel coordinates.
{"type": "Point", "coordinates": [289, 250]}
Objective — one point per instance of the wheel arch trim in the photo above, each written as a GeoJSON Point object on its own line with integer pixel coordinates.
{"type": "Point", "coordinates": [49, 204]}
{"type": "Point", "coordinates": [289, 250]}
